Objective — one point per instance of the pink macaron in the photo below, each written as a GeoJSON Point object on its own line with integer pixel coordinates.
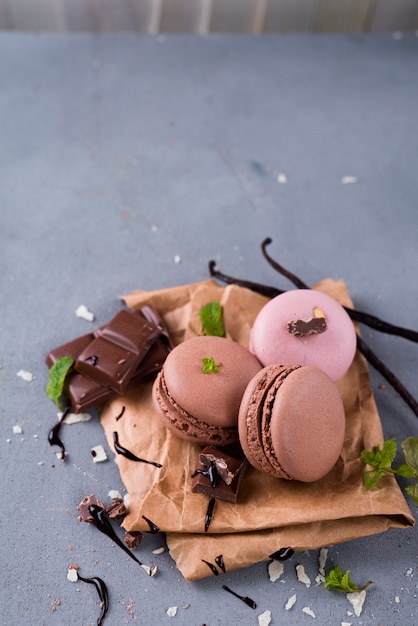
{"type": "Point", "coordinates": [305, 327]}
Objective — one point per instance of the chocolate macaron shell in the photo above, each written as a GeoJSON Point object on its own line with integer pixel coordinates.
{"type": "Point", "coordinates": [201, 406]}
{"type": "Point", "coordinates": [254, 417]}
{"type": "Point", "coordinates": [292, 422]}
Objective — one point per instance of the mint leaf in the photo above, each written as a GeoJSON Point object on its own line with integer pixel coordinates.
{"type": "Point", "coordinates": [410, 451]}
{"type": "Point", "coordinates": [407, 471]}
{"type": "Point", "coordinates": [388, 453]}
{"type": "Point", "coordinates": [211, 317]}
{"type": "Point", "coordinates": [57, 375]}
{"type": "Point", "coordinates": [372, 477]}
{"type": "Point", "coordinates": [412, 491]}
{"type": "Point", "coordinates": [209, 365]}
{"type": "Point", "coordinates": [337, 581]}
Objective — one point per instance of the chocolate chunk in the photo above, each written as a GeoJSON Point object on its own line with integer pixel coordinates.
{"type": "Point", "coordinates": [151, 315]}
{"type": "Point", "coordinates": [232, 469]}
{"type": "Point", "coordinates": [116, 509]}
{"type": "Point", "coordinates": [72, 349]}
{"type": "Point", "coordinates": [112, 358]}
{"type": "Point", "coordinates": [133, 538]}
{"type": "Point", "coordinates": [304, 328]}
{"type": "Point", "coordinates": [83, 507]}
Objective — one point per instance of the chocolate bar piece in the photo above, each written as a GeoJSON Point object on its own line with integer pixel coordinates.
{"type": "Point", "coordinates": [112, 358]}
{"type": "Point", "coordinates": [218, 475]}
{"type": "Point", "coordinates": [72, 349]}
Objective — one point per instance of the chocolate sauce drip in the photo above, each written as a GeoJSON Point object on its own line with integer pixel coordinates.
{"type": "Point", "coordinates": [101, 521]}
{"type": "Point", "coordinates": [282, 555]}
{"type": "Point", "coordinates": [211, 473]}
{"type": "Point", "coordinates": [154, 529]}
{"type": "Point", "coordinates": [245, 599]}
{"type": "Point", "coordinates": [53, 435]}
{"type": "Point", "coordinates": [219, 560]}
{"type": "Point", "coordinates": [209, 513]}
{"type": "Point", "coordinates": [102, 592]}
{"type": "Point", "coordinates": [211, 567]}
{"type": "Point", "coordinates": [117, 418]}
{"type": "Point", "coordinates": [128, 454]}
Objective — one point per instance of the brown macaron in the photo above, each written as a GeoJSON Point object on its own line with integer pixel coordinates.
{"type": "Point", "coordinates": [292, 422]}
{"type": "Point", "coordinates": [198, 392]}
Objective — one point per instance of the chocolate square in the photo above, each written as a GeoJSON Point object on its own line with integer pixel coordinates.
{"type": "Point", "coordinates": [228, 474]}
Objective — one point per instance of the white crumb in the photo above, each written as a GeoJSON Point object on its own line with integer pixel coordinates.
{"type": "Point", "coordinates": [98, 453]}
{"type": "Point", "coordinates": [72, 575]}
{"type": "Point", "coordinates": [177, 259]}
{"type": "Point", "coordinates": [397, 600]}
{"type": "Point", "coordinates": [114, 494]}
{"type": "Point", "coordinates": [409, 572]}
{"type": "Point", "coordinates": [83, 312]}
{"type": "Point", "coordinates": [346, 624]}
{"type": "Point", "coordinates": [302, 575]}
{"type": "Point", "coordinates": [154, 228]}
{"type": "Point", "coordinates": [356, 599]}
{"type": "Point", "coordinates": [8, 441]}
{"type": "Point", "coordinates": [172, 611]}
{"type": "Point", "coordinates": [27, 376]}
{"type": "Point", "coordinates": [275, 570]}
{"type": "Point", "coordinates": [291, 602]}
{"type": "Point", "coordinates": [308, 611]}
{"type": "Point", "coordinates": [264, 619]}
{"type": "Point", "coordinates": [282, 178]}
{"type": "Point", "coordinates": [17, 430]}
{"type": "Point", "coordinates": [349, 180]}
{"type": "Point", "coordinates": [323, 555]}
{"type": "Point", "coordinates": [151, 571]}
{"type": "Point", "coordinates": [74, 418]}
{"type": "Point", "coordinates": [158, 550]}
{"type": "Point", "coordinates": [127, 501]}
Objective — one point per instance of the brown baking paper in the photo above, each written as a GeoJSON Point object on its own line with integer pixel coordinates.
{"type": "Point", "coordinates": [270, 513]}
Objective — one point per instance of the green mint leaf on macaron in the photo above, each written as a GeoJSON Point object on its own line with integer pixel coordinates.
{"type": "Point", "coordinates": [337, 581]}
{"type": "Point", "coordinates": [209, 365]}
{"type": "Point", "coordinates": [211, 317]}
{"type": "Point", "coordinates": [57, 376]}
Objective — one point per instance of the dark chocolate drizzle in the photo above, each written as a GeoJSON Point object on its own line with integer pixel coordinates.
{"type": "Point", "coordinates": [248, 601]}
{"type": "Point", "coordinates": [219, 560]}
{"type": "Point", "coordinates": [211, 567]}
{"type": "Point", "coordinates": [211, 473]}
{"type": "Point", "coordinates": [102, 591]}
{"type": "Point", "coordinates": [102, 523]}
{"type": "Point", "coordinates": [282, 555]}
{"type": "Point", "coordinates": [128, 454]}
{"type": "Point", "coordinates": [209, 513]}
{"type": "Point", "coordinates": [117, 418]}
{"type": "Point", "coordinates": [154, 529]}
{"type": "Point", "coordinates": [53, 435]}
{"type": "Point", "coordinates": [358, 316]}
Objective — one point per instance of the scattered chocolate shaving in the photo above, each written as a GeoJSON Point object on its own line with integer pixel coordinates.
{"type": "Point", "coordinates": [154, 529]}
{"type": "Point", "coordinates": [117, 418]}
{"type": "Point", "coordinates": [102, 592]}
{"type": "Point", "coordinates": [248, 601]}
{"type": "Point", "coordinates": [211, 567]}
{"type": "Point", "coordinates": [116, 509]}
{"type": "Point", "coordinates": [219, 560]}
{"type": "Point", "coordinates": [84, 508]}
{"type": "Point", "coordinates": [282, 555]}
{"type": "Point", "coordinates": [209, 513]}
{"type": "Point", "coordinates": [305, 328]}
{"type": "Point", "coordinates": [133, 538]}
{"type": "Point", "coordinates": [359, 316]}
{"type": "Point", "coordinates": [128, 454]}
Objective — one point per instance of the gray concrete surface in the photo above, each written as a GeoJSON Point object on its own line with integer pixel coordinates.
{"type": "Point", "coordinates": [118, 153]}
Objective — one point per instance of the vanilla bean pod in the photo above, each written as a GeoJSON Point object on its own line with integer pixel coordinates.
{"type": "Point", "coordinates": [358, 316]}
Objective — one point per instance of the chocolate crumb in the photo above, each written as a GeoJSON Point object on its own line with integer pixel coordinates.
{"type": "Point", "coordinates": [133, 538]}
{"type": "Point", "coordinates": [116, 509]}
{"type": "Point", "coordinates": [305, 328]}
{"type": "Point", "coordinates": [84, 508]}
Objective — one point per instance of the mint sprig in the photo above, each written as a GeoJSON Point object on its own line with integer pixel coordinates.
{"type": "Point", "coordinates": [381, 460]}
{"type": "Point", "coordinates": [57, 376]}
{"type": "Point", "coordinates": [209, 365]}
{"type": "Point", "coordinates": [211, 317]}
{"type": "Point", "coordinates": [337, 581]}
